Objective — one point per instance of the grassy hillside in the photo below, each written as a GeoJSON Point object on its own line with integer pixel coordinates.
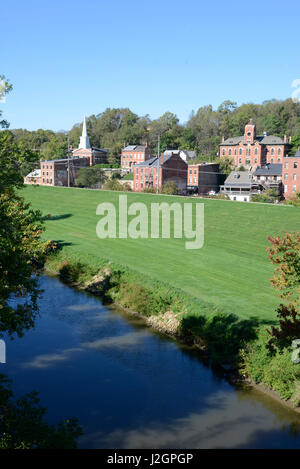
{"type": "Point", "coordinates": [231, 270]}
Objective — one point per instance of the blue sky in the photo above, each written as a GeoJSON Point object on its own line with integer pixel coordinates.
{"type": "Point", "coordinates": [69, 58]}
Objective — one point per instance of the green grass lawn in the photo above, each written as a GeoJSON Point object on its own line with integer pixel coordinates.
{"type": "Point", "coordinates": [232, 270]}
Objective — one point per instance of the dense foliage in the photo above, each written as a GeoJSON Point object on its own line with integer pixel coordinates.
{"type": "Point", "coordinates": [202, 132]}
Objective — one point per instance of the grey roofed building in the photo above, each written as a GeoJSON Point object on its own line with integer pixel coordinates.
{"type": "Point", "coordinates": [186, 155]}
{"type": "Point", "coordinates": [134, 148]}
{"type": "Point", "coordinates": [263, 139]}
{"type": "Point", "coordinates": [153, 162]}
{"type": "Point", "coordinates": [269, 169]}
{"type": "Point", "coordinates": [297, 155]}
{"type": "Point", "coordinates": [239, 179]}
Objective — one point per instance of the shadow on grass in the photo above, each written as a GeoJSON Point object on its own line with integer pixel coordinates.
{"type": "Point", "coordinates": [224, 335]}
{"type": "Point", "coordinates": [57, 217]}
{"type": "Point", "coordinates": [60, 244]}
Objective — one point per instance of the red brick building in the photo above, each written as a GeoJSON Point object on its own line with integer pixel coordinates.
{"type": "Point", "coordinates": [152, 172]}
{"type": "Point", "coordinates": [291, 175]}
{"type": "Point", "coordinates": [203, 177]}
{"type": "Point", "coordinates": [251, 150]}
{"type": "Point", "coordinates": [55, 172]}
{"type": "Point", "coordinates": [134, 154]}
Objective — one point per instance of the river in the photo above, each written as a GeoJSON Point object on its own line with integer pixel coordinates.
{"type": "Point", "coordinates": [133, 388]}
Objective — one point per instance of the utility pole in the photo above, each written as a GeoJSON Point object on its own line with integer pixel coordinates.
{"type": "Point", "coordinates": [158, 162]}
{"type": "Point", "coordinates": [68, 153]}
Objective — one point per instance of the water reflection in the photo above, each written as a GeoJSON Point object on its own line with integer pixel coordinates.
{"type": "Point", "coordinates": [131, 388]}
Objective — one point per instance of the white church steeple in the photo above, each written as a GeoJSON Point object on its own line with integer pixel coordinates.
{"type": "Point", "coordinates": [84, 139]}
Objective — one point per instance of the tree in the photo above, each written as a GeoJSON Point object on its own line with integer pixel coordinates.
{"type": "Point", "coordinates": [226, 165]}
{"type": "Point", "coordinates": [90, 177]}
{"type": "Point", "coordinates": [5, 87]}
{"type": "Point", "coordinates": [22, 424]}
{"type": "Point", "coordinates": [22, 253]}
{"type": "Point", "coordinates": [170, 188]}
{"type": "Point", "coordinates": [285, 254]}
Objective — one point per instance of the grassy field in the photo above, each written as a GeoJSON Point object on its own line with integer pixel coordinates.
{"type": "Point", "coordinates": [232, 270]}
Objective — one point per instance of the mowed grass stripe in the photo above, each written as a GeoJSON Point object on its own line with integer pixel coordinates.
{"type": "Point", "coordinates": [231, 271]}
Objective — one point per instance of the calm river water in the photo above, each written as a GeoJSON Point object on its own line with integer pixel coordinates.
{"type": "Point", "coordinates": [132, 388]}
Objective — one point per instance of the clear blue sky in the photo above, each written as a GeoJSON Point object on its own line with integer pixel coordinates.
{"type": "Point", "coordinates": [68, 58]}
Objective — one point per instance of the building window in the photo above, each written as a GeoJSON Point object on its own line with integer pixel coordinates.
{"type": "Point", "coordinates": [279, 160]}
{"type": "Point", "coordinates": [286, 176]}
{"type": "Point", "coordinates": [241, 151]}
{"type": "Point", "coordinates": [295, 165]}
{"type": "Point", "coordinates": [256, 151]}
{"type": "Point", "coordinates": [229, 152]}
{"type": "Point", "coordinates": [286, 165]}
{"type": "Point", "coordinates": [294, 188]}
{"type": "Point", "coordinates": [294, 177]}
{"type": "Point", "coordinates": [240, 160]}
{"type": "Point", "coordinates": [285, 188]}
{"type": "Point", "coordinates": [279, 151]}
{"type": "Point", "coordinates": [223, 152]}
{"type": "Point", "coordinates": [272, 151]}
{"type": "Point", "coordinates": [272, 160]}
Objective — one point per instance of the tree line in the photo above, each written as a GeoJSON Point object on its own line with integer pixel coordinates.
{"type": "Point", "coordinates": [202, 132]}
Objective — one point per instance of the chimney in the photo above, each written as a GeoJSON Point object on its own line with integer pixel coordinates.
{"type": "Point", "coordinates": [290, 139]}
{"type": "Point", "coordinates": [161, 158]}
{"type": "Point", "coordinates": [265, 133]}
{"type": "Point", "coordinates": [124, 144]}
{"type": "Point", "coordinates": [223, 138]}
{"type": "Point", "coordinates": [284, 138]}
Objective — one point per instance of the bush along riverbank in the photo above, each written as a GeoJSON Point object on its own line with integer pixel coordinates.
{"type": "Point", "coordinates": [239, 346]}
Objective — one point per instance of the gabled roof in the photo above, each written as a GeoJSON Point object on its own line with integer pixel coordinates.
{"type": "Point", "coordinates": [134, 148]}
{"type": "Point", "coordinates": [269, 169]}
{"type": "Point", "coordinates": [263, 140]}
{"type": "Point", "coordinates": [36, 173]}
{"type": "Point", "coordinates": [239, 179]}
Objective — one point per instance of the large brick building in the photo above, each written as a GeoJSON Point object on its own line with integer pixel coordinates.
{"type": "Point", "coordinates": [94, 155]}
{"type": "Point", "coordinates": [203, 177]}
{"type": "Point", "coordinates": [154, 173]}
{"type": "Point", "coordinates": [291, 175]}
{"type": "Point", "coordinates": [55, 172]}
{"type": "Point", "coordinates": [134, 154]}
{"type": "Point", "coordinates": [250, 150]}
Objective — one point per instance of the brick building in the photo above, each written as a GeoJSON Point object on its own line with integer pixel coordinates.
{"type": "Point", "coordinates": [153, 171]}
{"type": "Point", "coordinates": [55, 172]}
{"type": "Point", "coordinates": [134, 154]}
{"type": "Point", "coordinates": [291, 175]}
{"type": "Point", "coordinates": [203, 177]}
{"type": "Point", "coordinates": [250, 150]}
{"type": "Point", "coordinates": [94, 155]}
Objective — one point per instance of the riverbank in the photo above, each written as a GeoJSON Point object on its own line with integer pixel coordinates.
{"type": "Point", "coordinates": [235, 345]}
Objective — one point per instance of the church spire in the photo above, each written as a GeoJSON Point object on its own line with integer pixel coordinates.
{"type": "Point", "coordinates": [84, 139]}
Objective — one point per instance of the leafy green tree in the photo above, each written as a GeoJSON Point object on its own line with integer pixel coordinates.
{"type": "Point", "coordinates": [22, 424]}
{"type": "Point", "coordinates": [170, 188]}
{"type": "Point", "coordinates": [90, 177]}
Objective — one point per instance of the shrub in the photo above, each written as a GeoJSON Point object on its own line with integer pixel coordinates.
{"type": "Point", "coordinates": [276, 371]}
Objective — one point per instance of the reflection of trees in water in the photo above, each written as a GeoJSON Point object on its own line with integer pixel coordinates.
{"type": "Point", "coordinates": [22, 423]}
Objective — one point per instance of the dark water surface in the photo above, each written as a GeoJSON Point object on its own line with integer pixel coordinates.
{"type": "Point", "coordinates": [132, 388]}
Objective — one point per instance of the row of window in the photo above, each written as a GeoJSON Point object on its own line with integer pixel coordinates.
{"type": "Point", "coordinates": [48, 181]}
{"type": "Point", "coordinates": [295, 165]}
{"type": "Point", "coordinates": [294, 188]}
{"type": "Point", "coordinates": [248, 151]}
{"type": "Point", "coordinates": [286, 176]}
{"type": "Point", "coordinates": [134, 155]}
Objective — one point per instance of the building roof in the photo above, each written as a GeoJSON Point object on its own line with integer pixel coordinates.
{"type": "Point", "coordinates": [262, 140]}
{"type": "Point", "coordinates": [152, 162]}
{"type": "Point", "coordinates": [269, 169]}
{"type": "Point", "coordinates": [239, 179]}
{"type": "Point", "coordinates": [135, 148]}
{"type": "Point", "coordinates": [36, 173]}
{"type": "Point", "coordinates": [63, 160]}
